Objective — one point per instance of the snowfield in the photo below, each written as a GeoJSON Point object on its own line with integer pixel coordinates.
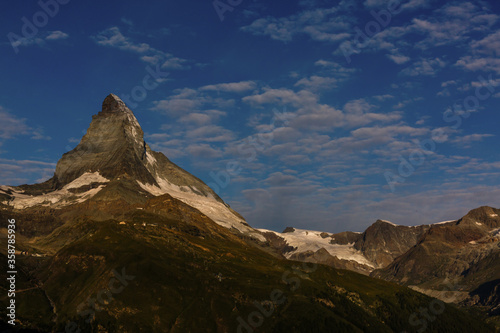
{"type": "Point", "coordinates": [444, 222]}
{"type": "Point", "coordinates": [59, 198]}
{"type": "Point", "coordinates": [385, 221]}
{"type": "Point", "coordinates": [308, 240]}
{"type": "Point", "coordinates": [87, 179]}
{"type": "Point", "coordinates": [209, 206]}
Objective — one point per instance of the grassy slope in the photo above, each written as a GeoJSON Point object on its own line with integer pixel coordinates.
{"type": "Point", "coordinates": [177, 288]}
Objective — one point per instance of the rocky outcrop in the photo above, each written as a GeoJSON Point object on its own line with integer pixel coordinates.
{"type": "Point", "coordinates": [114, 146]}
{"type": "Point", "coordinates": [461, 256]}
{"type": "Point", "coordinates": [346, 237]}
{"type": "Point", "coordinates": [322, 256]}
{"type": "Point", "coordinates": [383, 241]}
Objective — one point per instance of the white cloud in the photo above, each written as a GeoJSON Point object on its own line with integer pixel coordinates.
{"type": "Point", "coordinates": [398, 59]}
{"type": "Point", "coordinates": [282, 96]}
{"type": "Point", "coordinates": [448, 83]}
{"type": "Point", "coordinates": [186, 101]}
{"type": "Point", "coordinates": [472, 63]}
{"type": "Point", "coordinates": [210, 133]}
{"type": "Point", "coordinates": [467, 140]}
{"type": "Point", "coordinates": [236, 87]}
{"type": "Point", "coordinates": [194, 128]}
{"type": "Point", "coordinates": [17, 172]}
{"type": "Point", "coordinates": [414, 4]}
{"type": "Point", "coordinates": [112, 37]}
{"type": "Point", "coordinates": [173, 62]}
{"type": "Point", "coordinates": [310, 114]}
{"type": "Point", "coordinates": [358, 107]}
{"type": "Point", "coordinates": [176, 106]}
{"type": "Point", "coordinates": [41, 39]}
{"type": "Point", "coordinates": [320, 24]}
{"type": "Point", "coordinates": [489, 45]}
{"type": "Point", "coordinates": [425, 67]}
{"type": "Point", "coordinates": [334, 70]}
{"type": "Point", "coordinates": [317, 83]}
{"type": "Point", "coordinates": [277, 29]}
{"type": "Point", "coordinates": [453, 23]}
{"type": "Point", "coordinates": [11, 126]}
{"type": "Point", "coordinates": [203, 151]}
{"type": "Point", "coordinates": [202, 118]}
{"type": "Point", "coordinates": [55, 35]}
{"type": "Point", "coordinates": [409, 5]}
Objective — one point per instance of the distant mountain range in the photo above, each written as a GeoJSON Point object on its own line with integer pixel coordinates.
{"type": "Point", "coordinates": [121, 239]}
{"type": "Point", "coordinates": [456, 261]}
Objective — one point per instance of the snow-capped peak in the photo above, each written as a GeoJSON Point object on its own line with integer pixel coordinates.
{"type": "Point", "coordinates": [388, 222]}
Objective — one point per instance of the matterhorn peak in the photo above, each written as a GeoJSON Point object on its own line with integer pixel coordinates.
{"type": "Point", "coordinates": [114, 162]}
{"type": "Point", "coordinates": [113, 104]}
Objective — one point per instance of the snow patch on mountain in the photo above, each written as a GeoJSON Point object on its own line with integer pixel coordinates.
{"type": "Point", "coordinates": [58, 198]}
{"type": "Point", "coordinates": [135, 128]}
{"type": "Point", "coordinates": [208, 205]}
{"type": "Point", "coordinates": [444, 222]}
{"type": "Point", "coordinates": [385, 221]}
{"type": "Point", "coordinates": [86, 179]}
{"type": "Point", "coordinates": [309, 240]}
{"type": "Point", "coordinates": [150, 158]}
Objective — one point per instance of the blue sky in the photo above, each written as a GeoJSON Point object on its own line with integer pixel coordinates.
{"type": "Point", "coordinates": [316, 114]}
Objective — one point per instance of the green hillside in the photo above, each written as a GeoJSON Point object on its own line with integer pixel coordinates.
{"type": "Point", "coordinates": [190, 275]}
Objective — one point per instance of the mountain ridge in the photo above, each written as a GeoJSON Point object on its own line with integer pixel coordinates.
{"type": "Point", "coordinates": [114, 150]}
{"type": "Point", "coordinates": [114, 205]}
{"type": "Point", "coordinates": [423, 257]}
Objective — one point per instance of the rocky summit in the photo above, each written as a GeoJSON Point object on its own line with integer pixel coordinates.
{"type": "Point", "coordinates": [113, 154]}
{"type": "Point", "coordinates": [121, 239]}
{"type": "Point", "coordinates": [114, 146]}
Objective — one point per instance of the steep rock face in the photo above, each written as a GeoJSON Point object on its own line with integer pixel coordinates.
{"type": "Point", "coordinates": [114, 146]}
{"type": "Point", "coordinates": [487, 295]}
{"type": "Point", "coordinates": [114, 167]}
{"type": "Point", "coordinates": [383, 241]}
{"type": "Point", "coordinates": [448, 249]}
{"type": "Point", "coordinates": [460, 256]}
{"type": "Point", "coordinates": [346, 237]}
{"type": "Point", "coordinates": [487, 217]}
{"type": "Point", "coordinates": [324, 257]}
